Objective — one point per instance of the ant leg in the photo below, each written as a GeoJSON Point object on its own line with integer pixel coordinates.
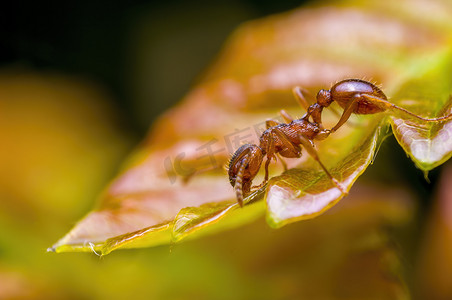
{"type": "Point", "coordinates": [285, 141]}
{"type": "Point", "coordinates": [298, 94]}
{"type": "Point", "coordinates": [282, 162]}
{"type": "Point", "coordinates": [256, 187]}
{"type": "Point", "coordinates": [308, 145]}
{"type": "Point", "coordinates": [385, 104]}
{"type": "Point", "coordinates": [271, 123]}
{"type": "Point", "coordinates": [270, 154]}
{"type": "Point", "coordinates": [286, 144]}
{"type": "Point", "coordinates": [286, 116]}
{"type": "Point", "coordinates": [348, 110]}
{"type": "Point", "coordinates": [265, 181]}
{"type": "Point", "coordinates": [271, 151]}
{"type": "Point", "coordinates": [267, 162]}
{"type": "Point", "coordinates": [338, 114]}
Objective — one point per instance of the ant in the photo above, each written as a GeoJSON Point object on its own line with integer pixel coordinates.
{"type": "Point", "coordinates": [285, 139]}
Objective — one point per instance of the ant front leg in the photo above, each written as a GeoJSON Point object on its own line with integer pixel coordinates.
{"type": "Point", "coordinates": [309, 146]}
{"type": "Point", "coordinates": [351, 107]}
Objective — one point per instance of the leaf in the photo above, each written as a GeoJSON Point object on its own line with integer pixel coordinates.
{"type": "Point", "coordinates": [131, 218]}
{"type": "Point", "coordinates": [429, 144]}
{"type": "Point", "coordinates": [192, 219]}
{"type": "Point", "coordinates": [174, 186]}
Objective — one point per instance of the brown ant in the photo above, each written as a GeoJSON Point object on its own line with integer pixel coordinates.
{"type": "Point", "coordinates": [353, 95]}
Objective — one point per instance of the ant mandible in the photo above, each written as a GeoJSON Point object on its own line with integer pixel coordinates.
{"type": "Point", "coordinates": [353, 95]}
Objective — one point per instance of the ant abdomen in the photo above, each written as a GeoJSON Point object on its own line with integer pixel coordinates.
{"type": "Point", "coordinates": [243, 167]}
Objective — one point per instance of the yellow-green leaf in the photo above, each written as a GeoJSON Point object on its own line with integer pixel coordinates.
{"type": "Point", "coordinates": [426, 93]}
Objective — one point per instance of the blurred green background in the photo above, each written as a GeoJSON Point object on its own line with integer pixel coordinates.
{"type": "Point", "coordinates": [80, 83]}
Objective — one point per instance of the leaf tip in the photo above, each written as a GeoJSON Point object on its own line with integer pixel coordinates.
{"type": "Point", "coordinates": [274, 222]}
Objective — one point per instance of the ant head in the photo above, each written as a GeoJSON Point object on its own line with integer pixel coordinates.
{"type": "Point", "coordinates": [324, 98]}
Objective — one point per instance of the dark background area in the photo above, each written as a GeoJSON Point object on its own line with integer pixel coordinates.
{"type": "Point", "coordinates": [146, 53]}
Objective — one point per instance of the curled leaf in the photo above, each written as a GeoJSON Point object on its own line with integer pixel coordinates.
{"type": "Point", "coordinates": [429, 144]}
